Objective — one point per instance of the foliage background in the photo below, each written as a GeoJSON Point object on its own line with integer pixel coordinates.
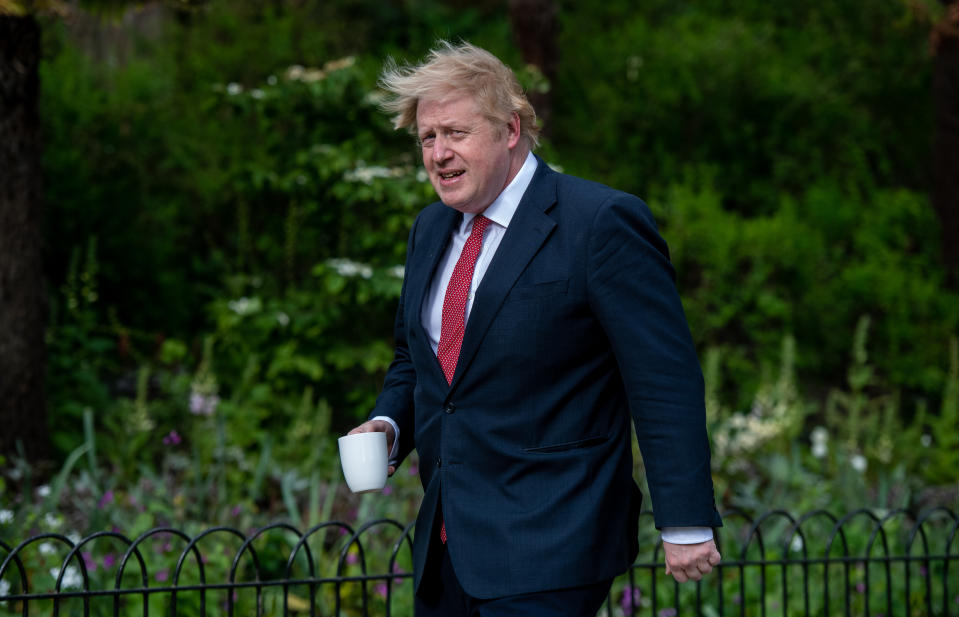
{"type": "Point", "coordinates": [227, 212]}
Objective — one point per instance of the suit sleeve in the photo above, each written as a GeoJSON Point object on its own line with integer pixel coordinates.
{"type": "Point", "coordinates": [633, 293]}
{"type": "Point", "coordinates": [396, 399]}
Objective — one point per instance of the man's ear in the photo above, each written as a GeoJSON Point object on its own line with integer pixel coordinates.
{"type": "Point", "coordinates": [513, 130]}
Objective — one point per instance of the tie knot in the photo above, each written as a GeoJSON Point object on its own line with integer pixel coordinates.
{"type": "Point", "coordinates": [480, 223]}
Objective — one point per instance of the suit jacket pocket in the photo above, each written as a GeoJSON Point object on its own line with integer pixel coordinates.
{"type": "Point", "coordinates": [569, 445]}
{"type": "Point", "coordinates": [539, 290]}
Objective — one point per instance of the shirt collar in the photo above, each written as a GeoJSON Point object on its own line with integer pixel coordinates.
{"type": "Point", "coordinates": [503, 208]}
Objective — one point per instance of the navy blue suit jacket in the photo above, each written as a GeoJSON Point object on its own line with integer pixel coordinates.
{"type": "Point", "coordinates": [576, 328]}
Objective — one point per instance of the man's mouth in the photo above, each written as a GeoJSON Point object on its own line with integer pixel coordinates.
{"type": "Point", "coordinates": [451, 174]}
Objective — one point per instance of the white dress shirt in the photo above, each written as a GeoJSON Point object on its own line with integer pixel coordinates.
{"type": "Point", "coordinates": [500, 212]}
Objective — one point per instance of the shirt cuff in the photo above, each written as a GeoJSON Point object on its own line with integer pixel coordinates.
{"type": "Point", "coordinates": [396, 438]}
{"type": "Point", "coordinates": [687, 535]}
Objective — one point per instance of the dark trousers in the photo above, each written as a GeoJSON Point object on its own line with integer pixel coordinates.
{"type": "Point", "coordinates": [441, 595]}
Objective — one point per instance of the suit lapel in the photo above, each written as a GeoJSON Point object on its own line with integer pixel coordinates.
{"type": "Point", "coordinates": [423, 268]}
{"type": "Point", "coordinates": [527, 231]}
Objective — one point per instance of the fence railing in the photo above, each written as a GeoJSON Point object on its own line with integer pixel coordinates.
{"type": "Point", "coordinates": [864, 563]}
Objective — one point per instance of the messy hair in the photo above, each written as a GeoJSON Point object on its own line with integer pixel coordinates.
{"type": "Point", "coordinates": [453, 68]}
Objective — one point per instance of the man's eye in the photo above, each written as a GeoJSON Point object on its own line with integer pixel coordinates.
{"type": "Point", "coordinates": [427, 141]}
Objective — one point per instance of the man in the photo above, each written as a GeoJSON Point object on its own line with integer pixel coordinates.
{"type": "Point", "coordinates": [538, 314]}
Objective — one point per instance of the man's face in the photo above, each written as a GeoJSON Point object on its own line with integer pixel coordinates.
{"type": "Point", "coordinates": [469, 161]}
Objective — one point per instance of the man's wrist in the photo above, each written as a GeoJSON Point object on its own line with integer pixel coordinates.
{"type": "Point", "coordinates": [396, 437]}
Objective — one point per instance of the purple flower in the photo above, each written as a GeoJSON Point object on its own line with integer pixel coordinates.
{"type": "Point", "coordinates": [352, 558]}
{"type": "Point", "coordinates": [923, 571]}
{"type": "Point", "coordinates": [667, 612]}
{"type": "Point", "coordinates": [860, 587]}
{"type": "Point", "coordinates": [236, 511]}
{"type": "Point", "coordinates": [107, 499]}
{"type": "Point", "coordinates": [397, 570]}
{"type": "Point", "coordinates": [172, 439]}
{"type": "Point", "coordinates": [387, 490]}
{"type": "Point", "coordinates": [163, 575]}
{"type": "Point", "coordinates": [631, 598]}
{"type": "Point", "coordinates": [88, 561]}
{"type": "Point", "coordinates": [108, 560]}
{"type": "Point", "coordinates": [380, 589]}
{"type": "Point", "coordinates": [414, 470]}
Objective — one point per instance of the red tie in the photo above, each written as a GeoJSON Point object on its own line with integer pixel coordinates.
{"type": "Point", "coordinates": [454, 304]}
{"type": "Point", "coordinates": [454, 307]}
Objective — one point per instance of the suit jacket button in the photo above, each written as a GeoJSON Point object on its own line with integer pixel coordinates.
{"type": "Point", "coordinates": [450, 408]}
{"type": "Point", "coordinates": [439, 462]}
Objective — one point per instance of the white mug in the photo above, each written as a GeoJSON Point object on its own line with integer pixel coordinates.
{"type": "Point", "coordinates": [364, 460]}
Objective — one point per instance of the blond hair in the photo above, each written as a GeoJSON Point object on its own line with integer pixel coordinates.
{"type": "Point", "coordinates": [451, 68]}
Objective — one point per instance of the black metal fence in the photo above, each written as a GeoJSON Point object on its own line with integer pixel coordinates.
{"type": "Point", "coordinates": [873, 563]}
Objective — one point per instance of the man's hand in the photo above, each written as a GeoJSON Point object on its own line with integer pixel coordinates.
{"type": "Point", "coordinates": [374, 426]}
{"type": "Point", "coordinates": [690, 561]}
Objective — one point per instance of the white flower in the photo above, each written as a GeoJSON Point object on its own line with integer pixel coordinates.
{"type": "Point", "coordinates": [4, 588]}
{"type": "Point", "coordinates": [234, 88]}
{"type": "Point", "coordinates": [422, 176]}
{"type": "Point", "coordinates": [271, 80]}
{"type": "Point", "coordinates": [926, 440]}
{"type": "Point", "coordinates": [398, 271]}
{"type": "Point", "coordinates": [283, 319]}
{"type": "Point", "coordinates": [71, 577]}
{"type": "Point", "coordinates": [819, 437]}
{"type": "Point", "coordinates": [51, 520]}
{"type": "Point", "coordinates": [294, 72]}
{"type": "Point", "coordinates": [858, 462]}
{"type": "Point", "coordinates": [6, 516]}
{"type": "Point", "coordinates": [74, 537]}
{"type": "Point", "coordinates": [43, 491]}
{"type": "Point", "coordinates": [256, 93]}
{"type": "Point", "coordinates": [796, 544]}
{"type": "Point", "coordinates": [366, 175]}
{"type": "Point", "coordinates": [245, 306]}
{"type": "Point", "coordinates": [47, 548]}
{"type": "Point", "coordinates": [203, 404]}
{"type": "Point", "coordinates": [349, 268]}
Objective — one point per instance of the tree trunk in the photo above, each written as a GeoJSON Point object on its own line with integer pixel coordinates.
{"type": "Point", "coordinates": [945, 197]}
{"type": "Point", "coordinates": [535, 29]}
{"type": "Point", "coordinates": [22, 299]}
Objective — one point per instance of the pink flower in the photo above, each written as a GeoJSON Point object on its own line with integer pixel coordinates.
{"type": "Point", "coordinates": [172, 439]}
{"type": "Point", "coordinates": [387, 490]}
{"type": "Point", "coordinates": [631, 598]}
{"type": "Point", "coordinates": [380, 589]}
{"type": "Point", "coordinates": [414, 470]}
{"type": "Point", "coordinates": [107, 499]}
{"type": "Point", "coordinates": [352, 558]}
{"type": "Point", "coordinates": [163, 575]}
{"type": "Point", "coordinates": [88, 561]}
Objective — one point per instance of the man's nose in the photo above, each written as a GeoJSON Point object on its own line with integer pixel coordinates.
{"type": "Point", "coordinates": [440, 151]}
